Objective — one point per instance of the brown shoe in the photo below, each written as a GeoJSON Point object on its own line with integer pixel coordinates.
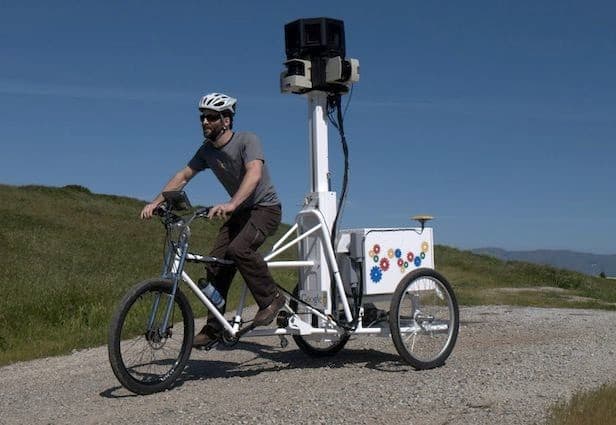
{"type": "Point", "coordinates": [207, 335]}
{"type": "Point", "coordinates": [266, 315]}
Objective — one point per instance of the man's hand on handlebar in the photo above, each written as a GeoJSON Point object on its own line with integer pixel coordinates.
{"type": "Point", "coordinates": [148, 210]}
{"type": "Point", "coordinates": [221, 210]}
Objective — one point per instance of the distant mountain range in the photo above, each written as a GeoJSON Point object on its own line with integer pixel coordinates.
{"type": "Point", "coordinates": [590, 264]}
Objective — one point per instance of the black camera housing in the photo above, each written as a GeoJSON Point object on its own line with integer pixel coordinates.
{"type": "Point", "coordinates": [314, 38]}
{"type": "Point", "coordinates": [316, 57]}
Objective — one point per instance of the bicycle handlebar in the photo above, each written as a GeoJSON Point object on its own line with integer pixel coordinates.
{"type": "Point", "coordinates": [164, 211]}
{"type": "Point", "coordinates": [203, 211]}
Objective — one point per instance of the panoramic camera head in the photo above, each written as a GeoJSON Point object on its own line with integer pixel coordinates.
{"type": "Point", "coordinates": [316, 50]}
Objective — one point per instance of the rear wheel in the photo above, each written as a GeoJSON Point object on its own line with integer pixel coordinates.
{"type": "Point", "coordinates": [424, 319]}
{"type": "Point", "coordinates": [316, 345]}
{"type": "Point", "coordinates": [145, 357]}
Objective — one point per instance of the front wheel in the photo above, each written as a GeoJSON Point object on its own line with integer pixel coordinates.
{"type": "Point", "coordinates": [424, 319]}
{"type": "Point", "coordinates": [145, 357]}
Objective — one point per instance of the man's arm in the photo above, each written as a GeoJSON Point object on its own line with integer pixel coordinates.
{"type": "Point", "coordinates": [249, 183]}
{"type": "Point", "coordinates": [177, 182]}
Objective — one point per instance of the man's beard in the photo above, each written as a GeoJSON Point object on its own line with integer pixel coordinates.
{"type": "Point", "coordinates": [213, 133]}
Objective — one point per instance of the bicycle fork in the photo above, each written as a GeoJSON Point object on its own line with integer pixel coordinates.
{"type": "Point", "coordinates": [171, 270]}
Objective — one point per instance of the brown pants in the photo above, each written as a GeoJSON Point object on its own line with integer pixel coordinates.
{"type": "Point", "coordinates": [238, 240]}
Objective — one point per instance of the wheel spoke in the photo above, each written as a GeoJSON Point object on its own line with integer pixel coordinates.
{"type": "Point", "coordinates": [424, 309]}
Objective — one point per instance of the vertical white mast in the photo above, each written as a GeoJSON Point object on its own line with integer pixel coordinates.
{"type": "Point", "coordinates": [315, 282]}
{"type": "Point", "coordinates": [319, 157]}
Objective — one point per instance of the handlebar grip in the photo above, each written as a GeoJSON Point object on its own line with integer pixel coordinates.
{"type": "Point", "coordinates": [160, 211]}
{"type": "Point", "coordinates": [203, 211]}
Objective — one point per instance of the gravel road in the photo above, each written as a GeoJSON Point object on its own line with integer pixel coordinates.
{"type": "Point", "coordinates": [508, 366]}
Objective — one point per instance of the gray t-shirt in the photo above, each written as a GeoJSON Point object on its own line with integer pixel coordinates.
{"type": "Point", "coordinates": [228, 164]}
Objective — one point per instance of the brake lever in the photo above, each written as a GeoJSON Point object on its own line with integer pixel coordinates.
{"type": "Point", "coordinates": [202, 212]}
{"type": "Point", "coordinates": [160, 210]}
{"type": "Point", "coordinates": [166, 215]}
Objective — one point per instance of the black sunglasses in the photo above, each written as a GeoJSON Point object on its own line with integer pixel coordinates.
{"type": "Point", "coordinates": [209, 117]}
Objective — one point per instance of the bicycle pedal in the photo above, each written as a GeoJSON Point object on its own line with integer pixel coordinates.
{"type": "Point", "coordinates": [210, 346]}
{"type": "Point", "coordinates": [245, 330]}
{"type": "Point", "coordinates": [282, 320]}
{"type": "Point", "coordinates": [206, 347]}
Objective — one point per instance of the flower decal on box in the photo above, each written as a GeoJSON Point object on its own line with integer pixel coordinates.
{"type": "Point", "coordinates": [384, 264]}
{"type": "Point", "coordinates": [393, 257]}
{"type": "Point", "coordinates": [376, 274]}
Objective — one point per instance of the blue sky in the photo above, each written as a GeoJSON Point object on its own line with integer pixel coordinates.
{"type": "Point", "coordinates": [497, 117]}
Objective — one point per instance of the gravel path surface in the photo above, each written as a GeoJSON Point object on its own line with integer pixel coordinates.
{"type": "Point", "coordinates": [508, 366]}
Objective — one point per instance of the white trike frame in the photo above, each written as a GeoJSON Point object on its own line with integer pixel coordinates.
{"type": "Point", "coordinates": [319, 212]}
{"type": "Point", "coordinates": [296, 325]}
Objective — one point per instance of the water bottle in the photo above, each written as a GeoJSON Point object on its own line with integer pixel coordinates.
{"type": "Point", "coordinates": [212, 293]}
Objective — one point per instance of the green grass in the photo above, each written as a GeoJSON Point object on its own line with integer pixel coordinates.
{"type": "Point", "coordinates": [595, 407]}
{"type": "Point", "coordinates": [67, 256]}
{"type": "Point", "coordinates": [480, 279]}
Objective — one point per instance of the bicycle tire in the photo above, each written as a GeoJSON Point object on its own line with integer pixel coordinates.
{"type": "Point", "coordinates": [424, 310]}
{"type": "Point", "coordinates": [129, 330]}
{"type": "Point", "coordinates": [317, 346]}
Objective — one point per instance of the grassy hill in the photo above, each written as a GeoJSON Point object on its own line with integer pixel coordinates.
{"type": "Point", "coordinates": [67, 256]}
{"type": "Point", "coordinates": [592, 264]}
{"type": "Point", "coordinates": [483, 279]}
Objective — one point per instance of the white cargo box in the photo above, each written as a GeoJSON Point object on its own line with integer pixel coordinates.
{"type": "Point", "coordinates": [389, 255]}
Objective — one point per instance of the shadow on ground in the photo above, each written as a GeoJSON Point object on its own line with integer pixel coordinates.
{"type": "Point", "coordinates": [269, 359]}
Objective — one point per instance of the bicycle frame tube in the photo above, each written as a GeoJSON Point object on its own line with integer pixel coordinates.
{"type": "Point", "coordinates": [169, 257]}
{"type": "Point", "coordinates": [153, 312]}
{"type": "Point", "coordinates": [178, 265]}
{"type": "Point", "coordinates": [322, 233]}
{"type": "Point", "coordinates": [324, 238]}
{"type": "Point", "coordinates": [177, 270]}
{"type": "Point", "coordinates": [205, 300]}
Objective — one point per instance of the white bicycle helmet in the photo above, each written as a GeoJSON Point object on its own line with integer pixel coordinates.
{"type": "Point", "coordinates": [218, 102]}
